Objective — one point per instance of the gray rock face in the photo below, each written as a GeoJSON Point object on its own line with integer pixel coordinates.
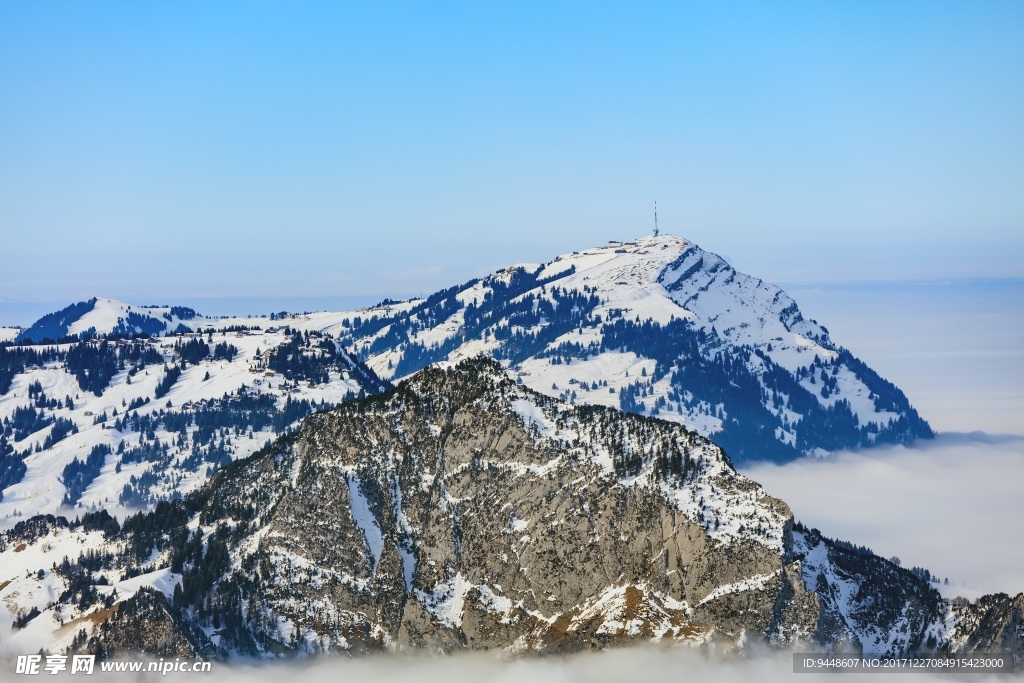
{"type": "Point", "coordinates": [460, 510]}
{"type": "Point", "coordinates": [142, 623]}
{"type": "Point", "coordinates": [463, 510]}
{"type": "Point", "coordinates": [993, 623]}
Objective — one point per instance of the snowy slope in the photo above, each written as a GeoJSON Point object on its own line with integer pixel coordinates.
{"type": "Point", "coordinates": [209, 385]}
{"type": "Point", "coordinates": [873, 604]}
{"type": "Point", "coordinates": [376, 522]}
{"type": "Point", "coordinates": [108, 314]}
{"type": "Point", "coordinates": [461, 510]}
{"type": "Point", "coordinates": [100, 316]}
{"type": "Point", "coordinates": [656, 326]}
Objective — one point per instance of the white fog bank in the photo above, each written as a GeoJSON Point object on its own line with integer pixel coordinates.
{"type": "Point", "coordinates": [952, 505]}
{"type": "Point", "coordinates": [634, 664]}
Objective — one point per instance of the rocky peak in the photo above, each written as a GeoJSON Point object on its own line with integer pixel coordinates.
{"type": "Point", "coordinates": [462, 510]}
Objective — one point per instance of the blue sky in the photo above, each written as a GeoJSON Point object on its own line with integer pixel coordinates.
{"type": "Point", "coordinates": [305, 155]}
{"type": "Point", "coordinates": [175, 151]}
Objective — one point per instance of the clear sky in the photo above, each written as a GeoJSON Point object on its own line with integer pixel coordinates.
{"type": "Point", "coordinates": [158, 152]}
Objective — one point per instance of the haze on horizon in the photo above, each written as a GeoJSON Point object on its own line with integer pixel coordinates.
{"type": "Point", "coordinates": [157, 153]}
{"type": "Point", "coordinates": [259, 151]}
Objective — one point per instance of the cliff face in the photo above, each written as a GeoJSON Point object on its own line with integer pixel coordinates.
{"type": "Point", "coordinates": [993, 623]}
{"type": "Point", "coordinates": [146, 623]}
{"type": "Point", "coordinates": [460, 510]}
{"type": "Point", "coordinates": [464, 511]}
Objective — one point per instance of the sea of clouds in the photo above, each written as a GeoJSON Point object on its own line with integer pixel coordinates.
{"type": "Point", "coordinates": [951, 505]}
{"type": "Point", "coordinates": [626, 665]}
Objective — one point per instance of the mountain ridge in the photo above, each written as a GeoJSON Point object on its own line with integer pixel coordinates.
{"type": "Point", "coordinates": [700, 339]}
{"type": "Point", "coordinates": [459, 510]}
{"type": "Point", "coordinates": [657, 327]}
{"type": "Point", "coordinates": [108, 318]}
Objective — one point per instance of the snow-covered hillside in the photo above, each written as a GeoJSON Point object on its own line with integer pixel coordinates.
{"type": "Point", "coordinates": [109, 317]}
{"type": "Point", "coordinates": [172, 410]}
{"type": "Point", "coordinates": [657, 327]}
{"type": "Point", "coordinates": [461, 510]}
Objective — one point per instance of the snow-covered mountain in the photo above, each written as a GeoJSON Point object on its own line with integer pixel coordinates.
{"type": "Point", "coordinates": [657, 327]}
{"type": "Point", "coordinates": [107, 317]}
{"type": "Point", "coordinates": [460, 510]}
{"type": "Point", "coordinates": [121, 424]}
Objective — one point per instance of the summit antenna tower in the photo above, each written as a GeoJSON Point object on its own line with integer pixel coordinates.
{"type": "Point", "coordinates": [655, 218]}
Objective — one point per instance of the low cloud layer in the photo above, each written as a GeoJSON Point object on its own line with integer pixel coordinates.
{"type": "Point", "coordinates": [614, 666]}
{"type": "Point", "coordinates": [955, 347]}
{"type": "Point", "coordinates": [952, 505]}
